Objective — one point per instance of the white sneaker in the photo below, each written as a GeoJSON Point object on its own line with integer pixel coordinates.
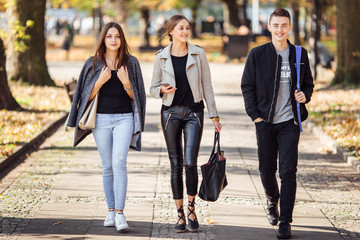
{"type": "Point", "coordinates": [120, 222]}
{"type": "Point", "coordinates": [110, 219]}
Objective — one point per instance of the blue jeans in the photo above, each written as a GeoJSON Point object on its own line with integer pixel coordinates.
{"type": "Point", "coordinates": [112, 135]}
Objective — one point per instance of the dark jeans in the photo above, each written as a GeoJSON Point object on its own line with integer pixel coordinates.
{"type": "Point", "coordinates": [175, 121]}
{"type": "Point", "coordinates": [282, 139]}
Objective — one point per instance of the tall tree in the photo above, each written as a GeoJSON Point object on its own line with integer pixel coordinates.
{"type": "Point", "coordinates": [316, 19]}
{"type": "Point", "coordinates": [244, 19]}
{"type": "Point", "coordinates": [193, 5]}
{"type": "Point", "coordinates": [97, 18]}
{"type": "Point", "coordinates": [123, 13]}
{"type": "Point", "coordinates": [7, 101]}
{"type": "Point", "coordinates": [294, 4]}
{"type": "Point", "coordinates": [145, 25]}
{"type": "Point", "coordinates": [319, 7]}
{"type": "Point", "coordinates": [29, 66]}
{"type": "Point", "coordinates": [233, 8]}
{"type": "Point", "coordinates": [145, 6]}
{"type": "Point", "coordinates": [348, 44]}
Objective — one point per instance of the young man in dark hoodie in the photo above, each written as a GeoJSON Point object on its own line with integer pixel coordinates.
{"type": "Point", "coordinates": [269, 89]}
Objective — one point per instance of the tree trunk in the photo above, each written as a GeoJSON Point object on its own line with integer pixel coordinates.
{"type": "Point", "coordinates": [97, 18]}
{"type": "Point", "coordinates": [295, 21]}
{"type": "Point", "coordinates": [122, 13]}
{"type": "Point", "coordinates": [308, 21]}
{"type": "Point", "coordinates": [29, 66]}
{"type": "Point", "coordinates": [317, 11]}
{"type": "Point", "coordinates": [348, 44]}
{"type": "Point", "coordinates": [233, 8]}
{"type": "Point", "coordinates": [194, 9]}
{"type": "Point", "coordinates": [7, 101]}
{"type": "Point", "coordinates": [244, 19]}
{"type": "Point", "coordinates": [144, 26]}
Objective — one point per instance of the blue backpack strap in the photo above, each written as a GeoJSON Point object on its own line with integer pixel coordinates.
{"type": "Point", "coordinates": [298, 58]}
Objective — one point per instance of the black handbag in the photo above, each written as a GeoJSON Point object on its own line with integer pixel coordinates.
{"type": "Point", "coordinates": [213, 173]}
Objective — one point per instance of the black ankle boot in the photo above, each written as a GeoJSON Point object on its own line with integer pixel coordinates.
{"type": "Point", "coordinates": [193, 225]}
{"type": "Point", "coordinates": [272, 212]}
{"type": "Point", "coordinates": [180, 227]}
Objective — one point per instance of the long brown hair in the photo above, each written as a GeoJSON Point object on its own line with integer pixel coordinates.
{"type": "Point", "coordinates": [122, 56]}
{"type": "Point", "coordinates": [171, 24]}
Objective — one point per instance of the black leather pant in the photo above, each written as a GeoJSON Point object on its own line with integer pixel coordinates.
{"type": "Point", "coordinates": [175, 121]}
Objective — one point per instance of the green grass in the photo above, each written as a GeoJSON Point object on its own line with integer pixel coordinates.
{"type": "Point", "coordinates": [27, 101]}
{"type": "Point", "coordinates": [331, 45]}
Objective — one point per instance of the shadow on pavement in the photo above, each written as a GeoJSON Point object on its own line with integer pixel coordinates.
{"type": "Point", "coordinates": [63, 227]}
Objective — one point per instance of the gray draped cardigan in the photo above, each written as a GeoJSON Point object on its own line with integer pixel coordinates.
{"type": "Point", "coordinates": [84, 87]}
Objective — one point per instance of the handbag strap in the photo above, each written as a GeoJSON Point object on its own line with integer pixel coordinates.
{"type": "Point", "coordinates": [298, 58]}
{"type": "Point", "coordinates": [216, 140]}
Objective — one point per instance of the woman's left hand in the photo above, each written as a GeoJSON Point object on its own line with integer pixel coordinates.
{"type": "Point", "coordinates": [123, 75]}
{"type": "Point", "coordinates": [217, 125]}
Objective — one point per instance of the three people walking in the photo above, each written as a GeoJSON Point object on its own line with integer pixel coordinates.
{"type": "Point", "coordinates": [181, 78]}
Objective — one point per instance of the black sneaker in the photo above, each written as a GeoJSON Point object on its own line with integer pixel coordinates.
{"type": "Point", "coordinates": [180, 227]}
{"type": "Point", "coordinates": [284, 230]}
{"type": "Point", "coordinates": [272, 212]}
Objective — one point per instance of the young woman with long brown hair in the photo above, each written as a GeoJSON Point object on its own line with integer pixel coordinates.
{"type": "Point", "coordinates": [116, 76]}
{"type": "Point", "coordinates": [182, 79]}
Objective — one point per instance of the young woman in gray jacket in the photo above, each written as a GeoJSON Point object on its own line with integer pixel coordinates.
{"type": "Point", "coordinates": [116, 76]}
{"type": "Point", "coordinates": [181, 77]}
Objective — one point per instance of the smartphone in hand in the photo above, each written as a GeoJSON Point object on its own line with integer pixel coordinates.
{"type": "Point", "coordinates": [165, 84]}
{"type": "Point", "coordinates": [167, 87]}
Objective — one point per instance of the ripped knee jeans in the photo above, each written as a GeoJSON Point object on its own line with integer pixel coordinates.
{"type": "Point", "coordinates": [113, 133]}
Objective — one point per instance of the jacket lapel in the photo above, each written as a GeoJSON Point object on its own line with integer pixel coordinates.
{"type": "Point", "coordinates": [165, 54]}
{"type": "Point", "coordinates": [292, 59]}
{"type": "Point", "coordinates": [191, 58]}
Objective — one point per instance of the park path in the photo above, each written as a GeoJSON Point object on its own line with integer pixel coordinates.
{"type": "Point", "coordinates": [57, 193]}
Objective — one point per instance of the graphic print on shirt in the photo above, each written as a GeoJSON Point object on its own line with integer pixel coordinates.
{"type": "Point", "coordinates": [285, 72]}
{"type": "Point", "coordinates": [283, 110]}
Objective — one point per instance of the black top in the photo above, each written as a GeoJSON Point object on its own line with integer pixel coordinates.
{"type": "Point", "coordinates": [183, 95]}
{"type": "Point", "coordinates": [113, 97]}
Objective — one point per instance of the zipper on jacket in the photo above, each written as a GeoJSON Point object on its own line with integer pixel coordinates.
{"type": "Point", "coordinates": [167, 121]}
{"type": "Point", "coordinates": [291, 84]}
{"type": "Point", "coordinates": [272, 102]}
{"type": "Point", "coordinates": [198, 119]}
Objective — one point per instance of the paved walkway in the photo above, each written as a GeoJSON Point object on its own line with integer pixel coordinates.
{"type": "Point", "coordinates": [57, 193]}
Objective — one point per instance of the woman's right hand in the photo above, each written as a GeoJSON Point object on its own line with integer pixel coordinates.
{"type": "Point", "coordinates": [105, 75]}
{"type": "Point", "coordinates": [167, 89]}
